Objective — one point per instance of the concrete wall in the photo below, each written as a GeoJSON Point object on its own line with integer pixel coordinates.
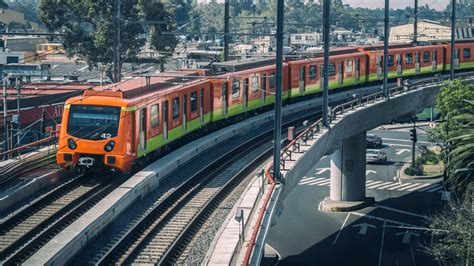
{"type": "Point", "coordinates": [353, 123]}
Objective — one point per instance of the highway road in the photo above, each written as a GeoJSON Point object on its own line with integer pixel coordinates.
{"type": "Point", "coordinates": [391, 232]}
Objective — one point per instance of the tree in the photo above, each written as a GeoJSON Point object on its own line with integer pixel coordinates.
{"type": "Point", "coordinates": [89, 26]}
{"type": "Point", "coordinates": [454, 231]}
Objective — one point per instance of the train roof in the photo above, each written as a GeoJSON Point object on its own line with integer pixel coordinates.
{"type": "Point", "coordinates": [142, 86]}
{"type": "Point", "coordinates": [239, 65]}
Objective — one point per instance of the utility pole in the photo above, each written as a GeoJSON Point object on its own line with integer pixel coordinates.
{"type": "Point", "coordinates": [415, 24]}
{"type": "Point", "coordinates": [278, 92]}
{"type": "Point", "coordinates": [385, 49]}
{"type": "Point", "coordinates": [326, 10]}
{"type": "Point", "coordinates": [413, 138]}
{"type": "Point", "coordinates": [17, 85]}
{"type": "Point", "coordinates": [5, 115]}
{"type": "Point", "coordinates": [117, 70]}
{"type": "Point", "coordinates": [226, 29]}
{"type": "Point", "coordinates": [453, 37]}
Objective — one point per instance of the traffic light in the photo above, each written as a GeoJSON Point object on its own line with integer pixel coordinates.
{"type": "Point", "coordinates": [413, 134]}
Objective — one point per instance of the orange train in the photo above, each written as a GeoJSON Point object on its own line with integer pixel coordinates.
{"type": "Point", "coordinates": [117, 125]}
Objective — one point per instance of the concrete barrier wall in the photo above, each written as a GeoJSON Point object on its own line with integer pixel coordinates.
{"type": "Point", "coordinates": [352, 123]}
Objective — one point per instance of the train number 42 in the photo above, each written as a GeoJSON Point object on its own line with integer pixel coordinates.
{"type": "Point", "coordinates": [106, 135]}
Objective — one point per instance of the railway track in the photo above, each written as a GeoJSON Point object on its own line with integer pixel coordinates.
{"type": "Point", "coordinates": [29, 229]}
{"type": "Point", "coordinates": [161, 235]}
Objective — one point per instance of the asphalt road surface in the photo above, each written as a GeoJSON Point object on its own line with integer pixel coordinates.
{"type": "Point", "coordinates": [391, 232]}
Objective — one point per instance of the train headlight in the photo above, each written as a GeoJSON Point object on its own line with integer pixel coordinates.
{"type": "Point", "coordinates": [71, 144]}
{"type": "Point", "coordinates": [109, 146]}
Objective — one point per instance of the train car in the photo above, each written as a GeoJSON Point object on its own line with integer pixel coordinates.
{"type": "Point", "coordinates": [116, 125]}
{"type": "Point", "coordinates": [347, 67]}
{"type": "Point", "coordinates": [406, 61]}
{"type": "Point", "coordinates": [464, 58]}
{"type": "Point", "coordinates": [242, 86]}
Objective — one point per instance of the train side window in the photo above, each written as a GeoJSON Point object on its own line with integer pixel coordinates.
{"type": "Point", "coordinates": [390, 61]}
{"type": "Point", "coordinates": [332, 69]}
{"type": "Point", "coordinates": [194, 101]}
{"type": "Point", "coordinates": [272, 80]}
{"type": "Point", "coordinates": [435, 56]}
{"type": "Point", "coordinates": [409, 58]}
{"type": "Point", "coordinates": [312, 72]}
{"type": "Point", "coordinates": [235, 89]}
{"type": "Point", "coordinates": [254, 83]}
{"type": "Point", "coordinates": [175, 107]}
{"type": "Point", "coordinates": [154, 116]}
{"type": "Point", "coordinates": [426, 56]}
{"type": "Point", "coordinates": [417, 57]}
{"type": "Point", "coordinates": [466, 53]}
{"type": "Point", "coordinates": [349, 64]}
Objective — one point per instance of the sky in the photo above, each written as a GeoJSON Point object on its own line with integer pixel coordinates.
{"type": "Point", "coordinates": [437, 4]}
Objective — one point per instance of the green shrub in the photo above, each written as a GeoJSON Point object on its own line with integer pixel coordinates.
{"type": "Point", "coordinates": [416, 169]}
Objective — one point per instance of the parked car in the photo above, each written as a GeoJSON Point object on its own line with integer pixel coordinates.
{"type": "Point", "coordinates": [373, 141]}
{"type": "Point", "coordinates": [373, 155]}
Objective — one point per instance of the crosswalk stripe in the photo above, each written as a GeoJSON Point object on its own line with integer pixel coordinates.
{"type": "Point", "coordinates": [390, 185]}
{"type": "Point", "coordinates": [410, 186]}
{"type": "Point", "coordinates": [435, 188]}
{"type": "Point", "coordinates": [374, 183]}
{"type": "Point", "coordinates": [400, 186]}
{"type": "Point", "coordinates": [317, 182]}
{"type": "Point", "coordinates": [419, 187]}
{"type": "Point", "coordinates": [310, 180]}
{"type": "Point", "coordinates": [369, 181]}
{"type": "Point", "coordinates": [429, 187]}
{"type": "Point", "coordinates": [379, 185]}
{"type": "Point", "coordinates": [324, 183]}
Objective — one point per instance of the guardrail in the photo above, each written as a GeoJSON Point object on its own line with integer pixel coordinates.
{"type": "Point", "coordinates": [314, 129]}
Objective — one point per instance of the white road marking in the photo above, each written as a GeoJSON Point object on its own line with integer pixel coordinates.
{"type": "Point", "coordinates": [317, 182]}
{"type": "Point", "coordinates": [369, 181]}
{"type": "Point", "coordinates": [342, 227]}
{"type": "Point", "coordinates": [381, 244]}
{"type": "Point", "coordinates": [391, 185]}
{"type": "Point", "coordinates": [401, 211]}
{"type": "Point", "coordinates": [410, 186]}
{"type": "Point", "coordinates": [374, 183]}
{"type": "Point", "coordinates": [363, 227]}
{"type": "Point", "coordinates": [310, 180]}
{"type": "Point", "coordinates": [368, 172]}
{"type": "Point", "coordinates": [380, 219]}
{"type": "Point", "coordinates": [406, 236]}
{"type": "Point", "coordinates": [406, 140]}
{"type": "Point", "coordinates": [419, 187]}
{"type": "Point", "coordinates": [429, 187]}
{"type": "Point", "coordinates": [435, 188]}
{"type": "Point", "coordinates": [324, 183]}
{"type": "Point", "coordinates": [380, 185]}
{"type": "Point", "coordinates": [399, 186]}
{"type": "Point", "coordinates": [401, 151]}
{"type": "Point", "coordinates": [322, 170]}
{"type": "Point", "coordinates": [399, 145]}
{"type": "Point", "coordinates": [83, 68]}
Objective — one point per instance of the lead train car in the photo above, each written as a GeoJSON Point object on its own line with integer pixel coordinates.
{"type": "Point", "coordinates": [113, 126]}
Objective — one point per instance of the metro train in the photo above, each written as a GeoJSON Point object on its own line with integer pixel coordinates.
{"type": "Point", "coordinates": [118, 125]}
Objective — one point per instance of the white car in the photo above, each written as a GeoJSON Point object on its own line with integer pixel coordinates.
{"type": "Point", "coordinates": [373, 155]}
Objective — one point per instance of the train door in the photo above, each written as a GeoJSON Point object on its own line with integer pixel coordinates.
{"type": "Point", "coordinates": [143, 128]}
{"type": "Point", "coordinates": [434, 60]}
{"type": "Point", "coordinates": [224, 97]}
{"type": "Point", "coordinates": [245, 84]}
{"type": "Point", "coordinates": [399, 58]}
{"type": "Point", "coordinates": [302, 79]}
{"type": "Point", "coordinates": [340, 75]}
{"type": "Point", "coordinates": [165, 120]}
{"type": "Point", "coordinates": [264, 87]}
{"type": "Point", "coordinates": [417, 62]}
{"type": "Point", "coordinates": [185, 111]}
{"type": "Point", "coordinates": [379, 66]}
{"type": "Point", "coordinates": [201, 106]}
{"type": "Point", "coordinates": [357, 69]}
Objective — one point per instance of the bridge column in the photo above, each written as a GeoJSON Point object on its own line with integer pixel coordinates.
{"type": "Point", "coordinates": [348, 176]}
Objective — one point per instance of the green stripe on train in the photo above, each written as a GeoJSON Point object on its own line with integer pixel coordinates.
{"type": "Point", "coordinates": [158, 141]}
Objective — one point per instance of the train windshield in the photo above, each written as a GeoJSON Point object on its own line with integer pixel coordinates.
{"type": "Point", "coordinates": [93, 122]}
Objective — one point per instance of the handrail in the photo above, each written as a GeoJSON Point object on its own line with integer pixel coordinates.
{"type": "Point", "coordinates": [52, 136]}
{"type": "Point", "coordinates": [310, 131]}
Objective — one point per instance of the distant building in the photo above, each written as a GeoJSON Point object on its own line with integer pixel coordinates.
{"type": "Point", "coordinates": [428, 31]}
{"type": "Point", "coordinates": [302, 40]}
{"type": "Point", "coordinates": [23, 43]}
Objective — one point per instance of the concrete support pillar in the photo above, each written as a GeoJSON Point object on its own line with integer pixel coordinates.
{"type": "Point", "coordinates": [348, 170]}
